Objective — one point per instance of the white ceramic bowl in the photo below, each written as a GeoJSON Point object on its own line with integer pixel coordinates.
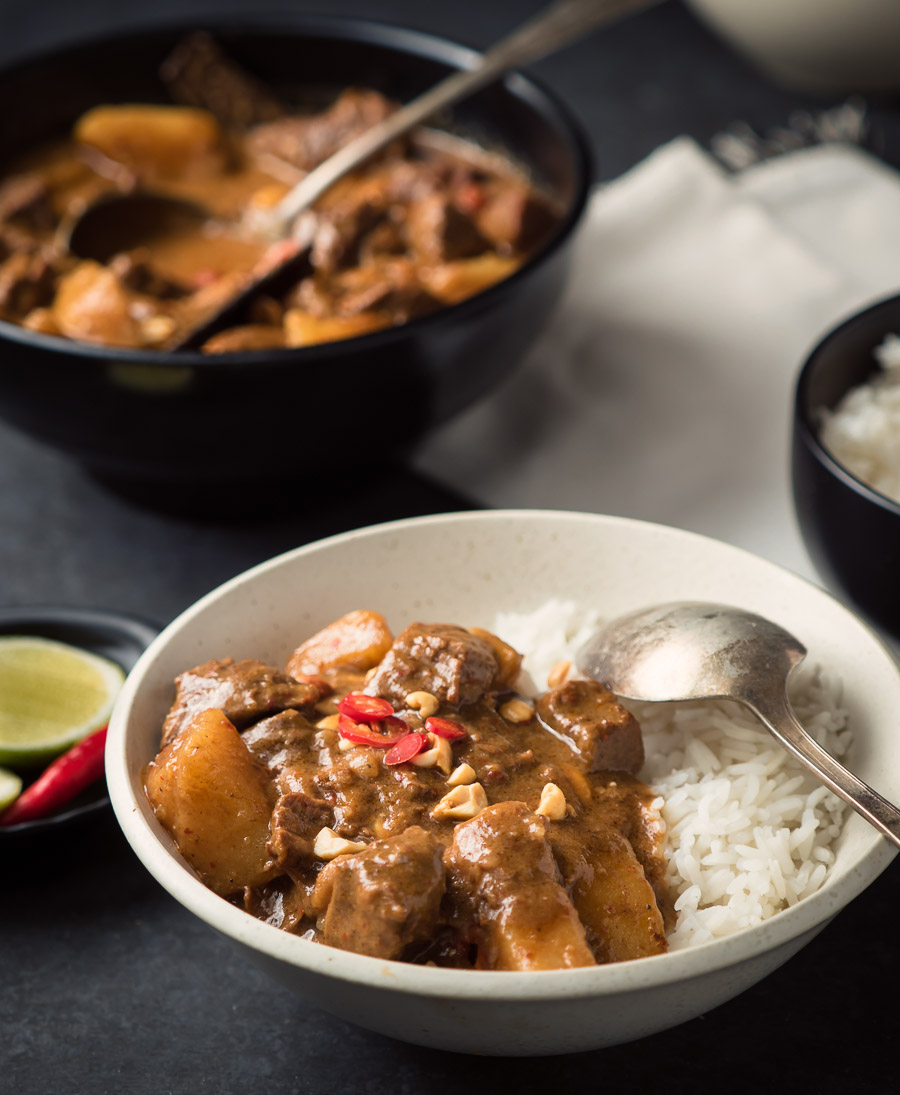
{"type": "Point", "coordinates": [464, 568]}
{"type": "Point", "coordinates": [836, 47]}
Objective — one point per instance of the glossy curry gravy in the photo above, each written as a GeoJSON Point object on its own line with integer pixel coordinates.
{"type": "Point", "coordinates": [395, 797]}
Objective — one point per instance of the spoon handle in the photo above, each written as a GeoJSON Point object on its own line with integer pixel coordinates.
{"type": "Point", "coordinates": [549, 30]}
{"type": "Point", "coordinates": [775, 711]}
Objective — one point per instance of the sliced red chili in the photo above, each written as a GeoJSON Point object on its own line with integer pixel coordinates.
{"type": "Point", "coordinates": [445, 728]}
{"type": "Point", "coordinates": [394, 722]}
{"type": "Point", "coordinates": [363, 708]}
{"type": "Point", "coordinates": [365, 735]}
{"type": "Point", "coordinates": [406, 748]}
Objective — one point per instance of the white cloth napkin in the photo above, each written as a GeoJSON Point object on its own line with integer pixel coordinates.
{"type": "Point", "coordinates": [662, 389]}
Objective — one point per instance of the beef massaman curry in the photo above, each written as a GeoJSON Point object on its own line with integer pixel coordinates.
{"type": "Point", "coordinates": [417, 229]}
{"type": "Point", "coordinates": [395, 797]}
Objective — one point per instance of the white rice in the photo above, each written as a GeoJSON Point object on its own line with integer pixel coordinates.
{"type": "Point", "coordinates": [863, 430]}
{"type": "Point", "coordinates": [750, 832]}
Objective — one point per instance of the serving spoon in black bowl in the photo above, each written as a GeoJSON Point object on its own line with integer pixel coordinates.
{"type": "Point", "coordinates": [692, 650]}
{"type": "Point", "coordinates": [92, 234]}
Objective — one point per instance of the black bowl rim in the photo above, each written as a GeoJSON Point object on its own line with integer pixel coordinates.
{"type": "Point", "coordinates": [417, 42]}
{"type": "Point", "coordinates": [137, 628]}
{"type": "Point", "coordinates": [804, 414]}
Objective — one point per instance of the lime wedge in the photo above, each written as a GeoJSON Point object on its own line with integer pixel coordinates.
{"type": "Point", "coordinates": [51, 696]}
{"type": "Point", "coordinates": [10, 788]}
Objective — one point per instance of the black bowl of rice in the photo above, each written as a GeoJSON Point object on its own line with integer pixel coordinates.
{"type": "Point", "coordinates": [846, 461]}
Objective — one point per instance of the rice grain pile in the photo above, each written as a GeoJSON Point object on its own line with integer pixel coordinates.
{"type": "Point", "coordinates": [863, 430]}
{"type": "Point", "coordinates": [750, 832]}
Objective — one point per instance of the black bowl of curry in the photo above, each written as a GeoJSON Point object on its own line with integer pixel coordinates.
{"type": "Point", "coordinates": [421, 281]}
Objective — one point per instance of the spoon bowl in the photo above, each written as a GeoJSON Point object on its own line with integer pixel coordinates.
{"type": "Point", "coordinates": [122, 222]}
{"type": "Point", "coordinates": [695, 650]}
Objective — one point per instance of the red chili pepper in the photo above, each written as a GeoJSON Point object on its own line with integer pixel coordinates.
{"type": "Point", "coordinates": [445, 728]}
{"type": "Point", "coordinates": [205, 276]}
{"type": "Point", "coordinates": [363, 708]}
{"type": "Point", "coordinates": [364, 735]}
{"type": "Point", "coordinates": [76, 769]}
{"type": "Point", "coordinates": [470, 197]}
{"type": "Point", "coordinates": [405, 749]}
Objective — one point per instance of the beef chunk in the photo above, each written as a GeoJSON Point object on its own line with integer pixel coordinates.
{"type": "Point", "coordinates": [606, 735]}
{"type": "Point", "coordinates": [384, 899]}
{"type": "Point", "coordinates": [391, 287]}
{"type": "Point", "coordinates": [280, 743]}
{"type": "Point", "coordinates": [306, 141]}
{"type": "Point", "coordinates": [296, 819]}
{"type": "Point", "coordinates": [438, 232]}
{"type": "Point", "coordinates": [514, 218]}
{"type": "Point", "coordinates": [197, 73]}
{"type": "Point", "coordinates": [13, 238]}
{"type": "Point", "coordinates": [26, 282]}
{"type": "Point", "coordinates": [339, 233]}
{"type": "Point", "coordinates": [136, 273]}
{"type": "Point", "coordinates": [25, 199]}
{"type": "Point", "coordinates": [246, 691]}
{"type": "Point", "coordinates": [280, 903]}
{"type": "Point", "coordinates": [454, 665]}
{"type": "Point", "coordinates": [504, 884]}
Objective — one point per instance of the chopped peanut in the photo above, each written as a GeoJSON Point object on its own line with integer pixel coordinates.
{"type": "Point", "coordinates": [345, 745]}
{"type": "Point", "coordinates": [517, 711]}
{"type": "Point", "coordinates": [156, 329]}
{"type": "Point", "coordinates": [330, 722]}
{"type": "Point", "coordinates": [579, 782]}
{"type": "Point", "coordinates": [461, 804]}
{"type": "Point", "coordinates": [465, 773]}
{"type": "Point", "coordinates": [329, 845]}
{"type": "Point", "coordinates": [553, 803]}
{"type": "Point", "coordinates": [365, 763]}
{"type": "Point", "coordinates": [438, 756]}
{"type": "Point", "coordinates": [423, 702]}
{"type": "Point", "coordinates": [559, 674]}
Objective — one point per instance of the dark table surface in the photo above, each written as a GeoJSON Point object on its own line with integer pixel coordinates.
{"type": "Point", "coordinates": [106, 984]}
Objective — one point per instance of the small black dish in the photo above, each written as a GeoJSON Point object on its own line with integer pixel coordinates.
{"type": "Point", "coordinates": [851, 531]}
{"type": "Point", "coordinates": [225, 434]}
{"type": "Point", "coordinates": [121, 638]}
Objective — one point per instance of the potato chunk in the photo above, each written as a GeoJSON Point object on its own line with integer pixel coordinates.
{"type": "Point", "coordinates": [239, 340]}
{"type": "Point", "coordinates": [452, 282]}
{"type": "Point", "coordinates": [215, 802]}
{"type": "Point", "coordinates": [156, 141]}
{"type": "Point", "coordinates": [302, 329]}
{"type": "Point", "coordinates": [609, 889]}
{"type": "Point", "coordinates": [358, 640]}
{"type": "Point", "coordinates": [505, 884]}
{"type": "Point", "coordinates": [91, 305]}
{"type": "Point", "coordinates": [509, 660]}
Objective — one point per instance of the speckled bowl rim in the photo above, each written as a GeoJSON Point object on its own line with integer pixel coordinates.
{"type": "Point", "coordinates": [677, 966]}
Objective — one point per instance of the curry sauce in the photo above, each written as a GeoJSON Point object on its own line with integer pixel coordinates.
{"type": "Point", "coordinates": [418, 228]}
{"type": "Point", "coordinates": [396, 797]}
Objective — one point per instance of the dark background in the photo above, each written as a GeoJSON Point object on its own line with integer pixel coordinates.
{"type": "Point", "coordinates": [106, 984]}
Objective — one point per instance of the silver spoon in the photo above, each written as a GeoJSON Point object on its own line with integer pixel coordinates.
{"type": "Point", "coordinates": [556, 26]}
{"type": "Point", "coordinates": [692, 650]}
